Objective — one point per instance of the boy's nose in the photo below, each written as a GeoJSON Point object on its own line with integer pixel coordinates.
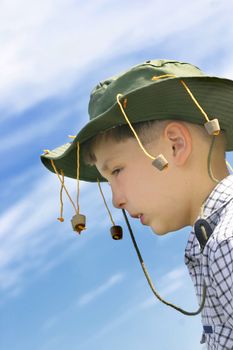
{"type": "Point", "coordinates": [118, 200]}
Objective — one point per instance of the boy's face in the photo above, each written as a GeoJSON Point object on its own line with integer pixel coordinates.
{"type": "Point", "coordinates": [138, 187]}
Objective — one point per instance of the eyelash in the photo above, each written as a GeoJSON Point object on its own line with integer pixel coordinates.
{"type": "Point", "coordinates": [116, 171]}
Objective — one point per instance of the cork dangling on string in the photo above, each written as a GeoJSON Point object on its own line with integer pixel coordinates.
{"type": "Point", "coordinates": [78, 222]}
{"type": "Point", "coordinates": [160, 162]}
{"type": "Point", "coordinates": [116, 230]}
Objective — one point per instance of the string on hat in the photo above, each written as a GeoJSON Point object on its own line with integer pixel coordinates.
{"type": "Point", "coordinates": [105, 203]}
{"type": "Point", "coordinates": [132, 128]}
{"type": "Point", "coordinates": [196, 103]}
{"type": "Point", "coordinates": [160, 161]}
{"type": "Point", "coordinates": [77, 172]}
{"type": "Point", "coordinates": [62, 180]}
{"type": "Point", "coordinates": [116, 231]}
{"type": "Point", "coordinates": [61, 219]}
{"type": "Point", "coordinates": [211, 126]}
{"type": "Point", "coordinates": [210, 171]}
{"type": "Point", "coordinates": [62, 184]}
{"type": "Point", "coordinates": [78, 221]}
{"type": "Point", "coordinates": [78, 175]}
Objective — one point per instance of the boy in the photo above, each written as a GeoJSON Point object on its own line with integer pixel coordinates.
{"type": "Point", "coordinates": [154, 135]}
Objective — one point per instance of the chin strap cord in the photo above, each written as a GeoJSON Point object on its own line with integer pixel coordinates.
{"type": "Point", "coordinates": [210, 171]}
{"type": "Point", "coordinates": [151, 283]}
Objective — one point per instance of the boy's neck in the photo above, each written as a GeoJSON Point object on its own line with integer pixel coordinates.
{"type": "Point", "coordinates": [205, 189]}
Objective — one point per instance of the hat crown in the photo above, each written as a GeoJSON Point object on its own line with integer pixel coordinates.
{"type": "Point", "coordinates": [103, 96]}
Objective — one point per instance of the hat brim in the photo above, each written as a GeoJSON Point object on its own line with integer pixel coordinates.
{"type": "Point", "coordinates": [166, 99]}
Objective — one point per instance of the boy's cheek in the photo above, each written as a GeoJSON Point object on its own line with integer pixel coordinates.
{"type": "Point", "coordinates": [162, 226]}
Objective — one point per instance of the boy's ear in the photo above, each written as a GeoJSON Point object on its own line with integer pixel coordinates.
{"type": "Point", "coordinates": [179, 141]}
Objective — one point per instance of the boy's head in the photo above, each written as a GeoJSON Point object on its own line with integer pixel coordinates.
{"type": "Point", "coordinates": [167, 121]}
{"type": "Point", "coordinates": [147, 193]}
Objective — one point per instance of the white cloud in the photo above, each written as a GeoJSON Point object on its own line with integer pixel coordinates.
{"type": "Point", "coordinates": [28, 134]}
{"type": "Point", "coordinates": [98, 291]}
{"type": "Point", "coordinates": [20, 245]}
{"type": "Point", "coordinates": [47, 46]}
{"type": "Point", "coordinates": [24, 242]}
{"type": "Point", "coordinates": [129, 312]}
{"type": "Point", "coordinates": [50, 323]}
{"type": "Point", "coordinates": [175, 274]}
{"type": "Point", "coordinates": [84, 300]}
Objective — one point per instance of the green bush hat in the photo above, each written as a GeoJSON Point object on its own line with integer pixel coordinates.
{"type": "Point", "coordinates": [148, 98]}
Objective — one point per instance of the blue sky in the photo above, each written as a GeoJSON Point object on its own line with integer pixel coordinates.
{"type": "Point", "coordinates": [58, 290]}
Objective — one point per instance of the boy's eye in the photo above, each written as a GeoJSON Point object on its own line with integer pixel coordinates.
{"type": "Point", "coordinates": [116, 171]}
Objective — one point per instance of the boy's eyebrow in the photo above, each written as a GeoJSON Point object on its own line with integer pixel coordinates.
{"type": "Point", "coordinates": [105, 165]}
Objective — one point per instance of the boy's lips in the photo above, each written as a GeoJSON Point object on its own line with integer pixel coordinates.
{"type": "Point", "coordinates": [142, 219]}
{"type": "Point", "coordinates": [138, 216]}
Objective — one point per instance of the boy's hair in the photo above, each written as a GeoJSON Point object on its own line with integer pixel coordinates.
{"type": "Point", "coordinates": [147, 132]}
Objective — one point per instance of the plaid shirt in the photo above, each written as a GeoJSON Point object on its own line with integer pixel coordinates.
{"type": "Point", "coordinates": [215, 266]}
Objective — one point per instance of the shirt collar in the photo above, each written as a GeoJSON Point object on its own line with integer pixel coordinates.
{"type": "Point", "coordinates": [219, 197]}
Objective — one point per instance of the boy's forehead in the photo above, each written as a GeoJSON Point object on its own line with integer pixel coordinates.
{"type": "Point", "coordinates": [106, 153]}
{"type": "Point", "coordinates": [112, 151]}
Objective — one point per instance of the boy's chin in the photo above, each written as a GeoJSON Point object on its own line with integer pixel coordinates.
{"type": "Point", "coordinates": [159, 230]}
{"type": "Point", "coordinates": [162, 228]}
